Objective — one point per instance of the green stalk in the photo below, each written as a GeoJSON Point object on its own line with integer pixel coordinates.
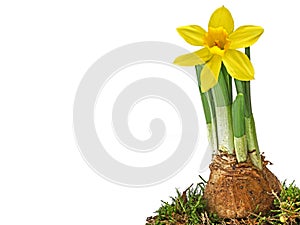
{"type": "Point", "coordinates": [228, 81]}
{"type": "Point", "coordinates": [224, 129]}
{"type": "Point", "coordinates": [253, 148]}
{"type": "Point", "coordinates": [238, 121]}
{"type": "Point", "coordinates": [209, 113]}
{"type": "Point", "coordinates": [204, 99]}
{"type": "Point", "coordinates": [213, 137]}
{"type": "Point", "coordinates": [222, 98]}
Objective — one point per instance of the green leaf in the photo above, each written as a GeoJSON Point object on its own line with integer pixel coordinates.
{"type": "Point", "coordinates": [238, 118]}
{"type": "Point", "coordinates": [204, 97]}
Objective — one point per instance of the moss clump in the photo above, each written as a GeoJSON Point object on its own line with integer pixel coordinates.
{"type": "Point", "coordinates": [189, 208]}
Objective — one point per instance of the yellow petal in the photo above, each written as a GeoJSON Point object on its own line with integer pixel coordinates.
{"type": "Point", "coordinates": [238, 65]}
{"type": "Point", "coordinates": [221, 17]}
{"type": "Point", "coordinates": [245, 36]}
{"type": "Point", "coordinates": [192, 34]}
{"type": "Point", "coordinates": [210, 73]}
{"type": "Point", "coordinates": [196, 58]}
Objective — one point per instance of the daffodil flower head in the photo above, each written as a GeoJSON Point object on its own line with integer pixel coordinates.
{"type": "Point", "coordinates": [219, 46]}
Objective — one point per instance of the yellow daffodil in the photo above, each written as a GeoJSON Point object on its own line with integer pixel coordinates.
{"type": "Point", "coordinates": [220, 43]}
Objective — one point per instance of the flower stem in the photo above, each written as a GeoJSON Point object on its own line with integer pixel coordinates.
{"type": "Point", "coordinates": [228, 81]}
{"type": "Point", "coordinates": [213, 135]}
{"type": "Point", "coordinates": [222, 98]}
{"type": "Point", "coordinates": [253, 148]}
{"type": "Point", "coordinates": [209, 113]}
{"type": "Point", "coordinates": [238, 119]}
{"type": "Point", "coordinates": [224, 129]}
{"type": "Point", "coordinates": [204, 98]}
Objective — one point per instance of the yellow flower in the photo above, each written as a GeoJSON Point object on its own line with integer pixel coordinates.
{"type": "Point", "coordinates": [220, 43]}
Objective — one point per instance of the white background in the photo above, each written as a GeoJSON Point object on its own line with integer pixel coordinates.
{"type": "Point", "coordinates": [45, 49]}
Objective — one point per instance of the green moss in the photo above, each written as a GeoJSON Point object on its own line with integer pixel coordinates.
{"type": "Point", "coordinates": [188, 208]}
